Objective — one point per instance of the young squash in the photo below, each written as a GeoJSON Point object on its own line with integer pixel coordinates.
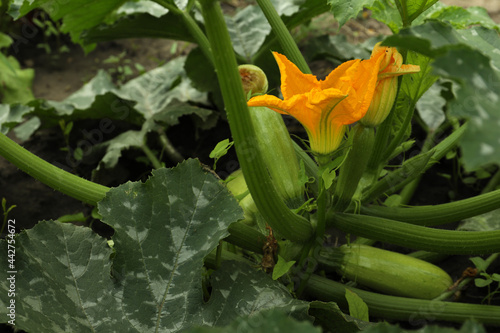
{"type": "Point", "coordinates": [385, 271]}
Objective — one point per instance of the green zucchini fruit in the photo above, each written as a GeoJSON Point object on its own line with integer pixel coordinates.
{"type": "Point", "coordinates": [386, 271]}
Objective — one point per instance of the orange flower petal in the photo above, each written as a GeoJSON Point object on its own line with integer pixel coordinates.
{"type": "Point", "coordinates": [337, 79]}
{"type": "Point", "coordinates": [293, 81]}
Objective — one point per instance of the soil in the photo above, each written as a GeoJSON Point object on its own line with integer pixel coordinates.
{"type": "Point", "coordinates": [59, 76]}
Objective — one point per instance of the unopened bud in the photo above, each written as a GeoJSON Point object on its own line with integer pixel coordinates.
{"type": "Point", "coordinates": [254, 80]}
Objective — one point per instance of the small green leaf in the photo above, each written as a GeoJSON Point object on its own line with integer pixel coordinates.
{"type": "Point", "coordinates": [495, 277]}
{"type": "Point", "coordinates": [480, 263]}
{"type": "Point", "coordinates": [282, 267]}
{"type": "Point", "coordinates": [220, 150]}
{"type": "Point", "coordinates": [393, 200]}
{"type": "Point", "coordinates": [480, 283]}
{"type": "Point", "coordinates": [357, 307]}
{"type": "Point", "coordinates": [328, 176]}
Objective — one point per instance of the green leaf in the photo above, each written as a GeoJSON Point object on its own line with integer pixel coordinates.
{"type": "Point", "coordinates": [95, 100]}
{"type": "Point", "coordinates": [25, 130]}
{"type": "Point", "coordinates": [343, 11]}
{"type": "Point", "coordinates": [287, 7]}
{"type": "Point", "coordinates": [265, 321]}
{"type": "Point", "coordinates": [480, 283]}
{"type": "Point", "coordinates": [476, 98]}
{"type": "Point", "coordinates": [11, 115]}
{"type": "Point", "coordinates": [156, 89]}
{"type": "Point", "coordinates": [357, 307]}
{"type": "Point", "coordinates": [77, 15]}
{"type": "Point", "coordinates": [282, 267]}
{"type": "Point", "coordinates": [386, 12]}
{"type": "Point", "coordinates": [415, 7]}
{"type": "Point", "coordinates": [471, 59]}
{"type": "Point", "coordinates": [240, 290]}
{"type": "Point", "coordinates": [15, 83]}
{"type": "Point", "coordinates": [143, 6]}
{"type": "Point", "coordinates": [163, 230]}
{"type": "Point", "coordinates": [60, 282]}
{"type": "Point", "coordinates": [332, 319]}
{"type": "Point", "coordinates": [248, 30]}
{"type": "Point", "coordinates": [480, 263]}
{"type": "Point", "coordinates": [462, 18]}
{"type": "Point", "coordinates": [220, 150]}
{"type": "Point", "coordinates": [170, 26]}
{"type": "Point", "coordinates": [412, 88]}
{"type": "Point", "coordinates": [5, 40]}
{"type": "Point", "coordinates": [115, 146]}
{"type": "Point", "coordinates": [168, 225]}
{"type": "Point", "coordinates": [484, 222]}
{"type": "Point", "coordinates": [431, 107]}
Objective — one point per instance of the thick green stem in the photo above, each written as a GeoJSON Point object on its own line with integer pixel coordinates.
{"type": "Point", "coordinates": [285, 39]}
{"type": "Point", "coordinates": [418, 237]}
{"type": "Point", "coordinates": [267, 200]}
{"type": "Point", "coordinates": [439, 214]}
{"type": "Point", "coordinates": [413, 311]}
{"type": "Point", "coordinates": [353, 167]}
{"type": "Point", "coordinates": [51, 175]}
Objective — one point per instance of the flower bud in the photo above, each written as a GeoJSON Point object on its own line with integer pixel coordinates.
{"type": "Point", "coordinates": [254, 80]}
{"type": "Point", "coordinates": [390, 68]}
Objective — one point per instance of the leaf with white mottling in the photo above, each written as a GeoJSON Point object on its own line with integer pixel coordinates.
{"type": "Point", "coordinates": [156, 89]}
{"type": "Point", "coordinates": [430, 107]}
{"type": "Point", "coordinates": [239, 289]}
{"type": "Point", "coordinates": [266, 321]}
{"type": "Point", "coordinates": [62, 282]}
{"type": "Point", "coordinates": [142, 6]}
{"type": "Point", "coordinates": [248, 30]}
{"type": "Point", "coordinates": [287, 7]}
{"type": "Point", "coordinates": [471, 59]}
{"type": "Point", "coordinates": [163, 230]}
{"type": "Point", "coordinates": [66, 281]}
{"type": "Point", "coordinates": [484, 222]}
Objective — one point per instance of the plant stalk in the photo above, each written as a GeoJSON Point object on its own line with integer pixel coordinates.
{"type": "Point", "coordinates": [267, 200]}
{"type": "Point", "coordinates": [418, 237]}
{"type": "Point", "coordinates": [285, 39]}
{"type": "Point", "coordinates": [439, 214]}
{"type": "Point", "coordinates": [414, 311]}
{"type": "Point", "coordinates": [60, 180]}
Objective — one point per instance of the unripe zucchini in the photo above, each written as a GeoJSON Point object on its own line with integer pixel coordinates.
{"type": "Point", "coordinates": [386, 271]}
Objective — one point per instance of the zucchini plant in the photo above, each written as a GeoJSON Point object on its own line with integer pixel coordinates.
{"type": "Point", "coordinates": [192, 252]}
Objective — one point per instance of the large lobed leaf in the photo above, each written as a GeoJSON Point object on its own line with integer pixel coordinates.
{"type": "Point", "coordinates": [163, 229]}
{"type": "Point", "coordinates": [470, 58]}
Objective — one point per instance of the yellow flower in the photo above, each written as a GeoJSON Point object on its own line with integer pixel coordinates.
{"type": "Point", "coordinates": [324, 107]}
{"type": "Point", "coordinates": [387, 85]}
